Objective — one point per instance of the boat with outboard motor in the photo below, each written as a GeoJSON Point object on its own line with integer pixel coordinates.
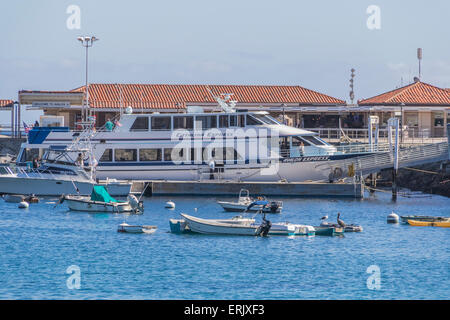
{"type": "Point", "coordinates": [405, 219]}
{"type": "Point", "coordinates": [101, 201]}
{"type": "Point", "coordinates": [244, 200]}
{"type": "Point", "coordinates": [213, 226]}
{"type": "Point", "coordinates": [240, 225]}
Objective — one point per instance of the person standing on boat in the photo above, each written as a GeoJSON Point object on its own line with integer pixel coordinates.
{"type": "Point", "coordinates": [36, 163]}
{"type": "Point", "coordinates": [79, 161]}
{"type": "Point", "coordinates": [301, 148]}
{"type": "Point", "coordinates": [109, 125]}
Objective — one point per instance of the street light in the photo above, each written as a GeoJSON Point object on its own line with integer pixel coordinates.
{"type": "Point", "coordinates": [86, 42]}
{"type": "Point", "coordinates": [401, 121]}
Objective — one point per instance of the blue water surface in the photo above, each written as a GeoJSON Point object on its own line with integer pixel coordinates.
{"type": "Point", "coordinates": [38, 244]}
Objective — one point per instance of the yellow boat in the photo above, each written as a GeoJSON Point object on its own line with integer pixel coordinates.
{"type": "Point", "coordinates": [443, 224]}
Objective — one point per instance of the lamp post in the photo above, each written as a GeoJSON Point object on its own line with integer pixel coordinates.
{"type": "Point", "coordinates": [401, 122]}
{"type": "Point", "coordinates": [86, 42]}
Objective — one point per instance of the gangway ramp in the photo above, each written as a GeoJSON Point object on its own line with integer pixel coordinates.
{"type": "Point", "coordinates": [407, 157]}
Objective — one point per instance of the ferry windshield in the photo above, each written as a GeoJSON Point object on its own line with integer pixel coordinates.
{"type": "Point", "coordinates": [314, 140]}
{"type": "Point", "coordinates": [265, 118]}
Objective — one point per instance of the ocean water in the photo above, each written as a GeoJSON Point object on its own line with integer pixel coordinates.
{"type": "Point", "coordinates": [39, 244]}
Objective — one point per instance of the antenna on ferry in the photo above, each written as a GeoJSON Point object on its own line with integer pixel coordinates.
{"type": "Point", "coordinates": [226, 104]}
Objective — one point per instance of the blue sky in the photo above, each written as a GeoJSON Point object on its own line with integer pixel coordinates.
{"type": "Point", "coordinates": [309, 43]}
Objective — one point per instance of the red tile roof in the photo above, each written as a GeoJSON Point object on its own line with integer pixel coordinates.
{"type": "Point", "coordinates": [5, 103]}
{"type": "Point", "coordinates": [417, 93]}
{"type": "Point", "coordinates": [167, 96]}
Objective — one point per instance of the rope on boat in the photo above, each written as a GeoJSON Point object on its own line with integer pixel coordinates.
{"type": "Point", "coordinates": [402, 194]}
{"type": "Point", "coordinates": [420, 170]}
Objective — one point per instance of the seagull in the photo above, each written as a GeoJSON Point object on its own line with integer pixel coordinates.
{"type": "Point", "coordinates": [339, 221]}
{"type": "Point", "coordinates": [324, 218]}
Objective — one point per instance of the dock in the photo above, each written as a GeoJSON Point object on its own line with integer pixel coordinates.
{"type": "Point", "coordinates": [232, 188]}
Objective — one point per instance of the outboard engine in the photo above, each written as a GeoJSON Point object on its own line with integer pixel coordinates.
{"type": "Point", "coordinates": [274, 206]}
{"type": "Point", "coordinates": [264, 228]}
{"type": "Point", "coordinates": [136, 205]}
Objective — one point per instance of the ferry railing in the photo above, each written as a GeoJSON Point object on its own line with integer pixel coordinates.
{"type": "Point", "coordinates": [407, 135]}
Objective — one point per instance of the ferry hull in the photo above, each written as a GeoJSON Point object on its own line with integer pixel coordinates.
{"type": "Point", "coordinates": [42, 187]}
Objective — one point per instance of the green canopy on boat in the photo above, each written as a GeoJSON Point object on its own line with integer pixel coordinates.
{"type": "Point", "coordinates": [99, 193]}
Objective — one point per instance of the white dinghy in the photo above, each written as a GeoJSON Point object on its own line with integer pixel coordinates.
{"type": "Point", "coordinates": [101, 201]}
{"type": "Point", "coordinates": [125, 227]}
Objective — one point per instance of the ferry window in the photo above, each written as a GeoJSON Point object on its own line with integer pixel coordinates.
{"type": "Point", "coordinates": [140, 124]}
{"type": "Point", "coordinates": [296, 141]}
{"type": "Point", "coordinates": [233, 121]}
{"type": "Point", "coordinates": [125, 154]}
{"type": "Point", "coordinates": [205, 122]}
{"type": "Point", "coordinates": [149, 154]}
{"type": "Point", "coordinates": [174, 154]}
{"type": "Point", "coordinates": [106, 156]}
{"type": "Point", "coordinates": [251, 121]}
{"type": "Point", "coordinates": [161, 123]}
{"type": "Point", "coordinates": [184, 122]}
{"type": "Point", "coordinates": [237, 120]}
{"type": "Point", "coordinates": [223, 122]}
{"type": "Point", "coordinates": [320, 141]}
{"type": "Point", "coordinates": [241, 120]}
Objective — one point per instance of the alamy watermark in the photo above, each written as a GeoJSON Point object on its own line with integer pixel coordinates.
{"type": "Point", "coordinates": [374, 280]}
{"type": "Point", "coordinates": [74, 280]}
{"type": "Point", "coordinates": [374, 20]}
{"type": "Point", "coordinates": [231, 146]}
{"type": "Point", "coordinates": [74, 20]}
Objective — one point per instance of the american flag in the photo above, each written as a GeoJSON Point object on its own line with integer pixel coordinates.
{"type": "Point", "coordinates": [26, 127]}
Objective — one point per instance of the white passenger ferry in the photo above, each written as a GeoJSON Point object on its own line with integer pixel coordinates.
{"type": "Point", "coordinates": [229, 145]}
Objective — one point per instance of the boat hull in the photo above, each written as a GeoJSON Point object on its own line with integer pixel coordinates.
{"type": "Point", "coordinates": [238, 207]}
{"type": "Point", "coordinates": [76, 203]}
{"type": "Point", "coordinates": [442, 224]}
{"type": "Point", "coordinates": [329, 231]}
{"type": "Point", "coordinates": [55, 187]}
{"type": "Point", "coordinates": [405, 219]}
{"type": "Point", "coordinates": [126, 228]}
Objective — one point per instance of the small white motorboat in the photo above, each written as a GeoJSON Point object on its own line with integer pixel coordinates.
{"type": "Point", "coordinates": [245, 228]}
{"type": "Point", "coordinates": [101, 201]}
{"type": "Point", "coordinates": [180, 225]}
{"type": "Point", "coordinates": [125, 227]}
{"type": "Point", "coordinates": [14, 198]}
{"type": "Point", "coordinates": [244, 202]}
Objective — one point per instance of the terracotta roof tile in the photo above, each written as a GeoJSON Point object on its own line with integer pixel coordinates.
{"type": "Point", "coordinates": [167, 96]}
{"type": "Point", "coordinates": [417, 93]}
{"type": "Point", "coordinates": [6, 103]}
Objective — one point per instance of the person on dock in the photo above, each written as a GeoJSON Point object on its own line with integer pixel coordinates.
{"type": "Point", "coordinates": [109, 126]}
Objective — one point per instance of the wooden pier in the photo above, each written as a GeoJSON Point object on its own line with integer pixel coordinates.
{"type": "Point", "coordinates": [231, 188]}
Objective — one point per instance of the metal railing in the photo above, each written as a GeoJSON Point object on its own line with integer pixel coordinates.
{"type": "Point", "coordinates": [409, 135]}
